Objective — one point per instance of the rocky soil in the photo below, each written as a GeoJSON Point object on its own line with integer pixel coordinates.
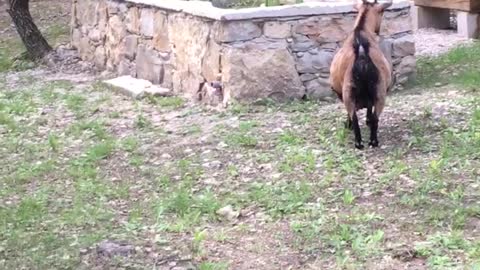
{"type": "Point", "coordinates": [432, 42]}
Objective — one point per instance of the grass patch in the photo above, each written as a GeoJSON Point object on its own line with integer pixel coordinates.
{"type": "Point", "coordinates": [281, 199]}
{"type": "Point", "coordinates": [456, 66]}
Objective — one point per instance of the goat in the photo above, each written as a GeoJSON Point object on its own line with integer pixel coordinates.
{"type": "Point", "coordinates": [360, 74]}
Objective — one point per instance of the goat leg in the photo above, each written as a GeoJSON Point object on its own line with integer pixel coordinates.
{"type": "Point", "coordinates": [356, 131]}
{"type": "Point", "coordinates": [369, 116]}
{"type": "Point", "coordinates": [348, 123]}
{"type": "Point", "coordinates": [372, 122]}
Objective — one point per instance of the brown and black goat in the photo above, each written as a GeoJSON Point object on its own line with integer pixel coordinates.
{"type": "Point", "coordinates": [360, 74]}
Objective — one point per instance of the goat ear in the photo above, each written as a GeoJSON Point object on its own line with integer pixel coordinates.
{"type": "Point", "coordinates": [359, 4]}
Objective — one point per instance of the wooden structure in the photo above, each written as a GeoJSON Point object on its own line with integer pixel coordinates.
{"type": "Point", "coordinates": [436, 14]}
{"type": "Point", "coordinates": [463, 5]}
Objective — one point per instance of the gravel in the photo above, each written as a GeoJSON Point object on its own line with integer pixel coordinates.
{"type": "Point", "coordinates": [432, 42]}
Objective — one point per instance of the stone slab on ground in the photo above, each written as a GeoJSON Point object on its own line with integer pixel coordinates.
{"type": "Point", "coordinates": [137, 88]}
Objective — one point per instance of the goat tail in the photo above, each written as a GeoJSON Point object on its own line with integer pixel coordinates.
{"type": "Point", "coordinates": [365, 74]}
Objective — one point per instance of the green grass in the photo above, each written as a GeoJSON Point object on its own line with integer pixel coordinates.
{"type": "Point", "coordinates": [11, 46]}
{"type": "Point", "coordinates": [456, 66]}
{"type": "Point", "coordinates": [71, 178]}
{"type": "Point", "coordinates": [281, 199]}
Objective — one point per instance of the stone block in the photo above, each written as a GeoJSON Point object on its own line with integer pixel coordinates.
{"type": "Point", "coordinates": [325, 29]}
{"type": "Point", "coordinates": [277, 29]}
{"type": "Point", "coordinates": [256, 70]}
{"type": "Point", "coordinates": [101, 12]}
{"type": "Point", "coordinates": [404, 46]}
{"type": "Point", "coordinates": [149, 65]}
{"type": "Point", "coordinates": [314, 61]}
{"type": "Point", "coordinates": [319, 89]}
{"type": "Point", "coordinates": [96, 36]}
{"type": "Point", "coordinates": [100, 58]}
{"type": "Point", "coordinates": [405, 71]}
{"type": "Point", "coordinates": [116, 30]}
{"type": "Point", "coordinates": [211, 61]}
{"type": "Point", "coordinates": [137, 88]}
{"type": "Point", "coordinates": [147, 22]}
{"type": "Point", "coordinates": [86, 50]}
{"type": "Point", "coordinates": [126, 67]}
{"type": "Point", "coordinates": [191, 36]}
{"type": "Point", "coordinates": [76, 37]}
{"type": "Point", "coordinates": [236, 31]}
{"type": "Point", "coordinates": [467, 24]}
{"type": "Point", "coordinates": [130, 44]}
{"type": "Point", "coordinates": [308, 77]}
{"type": "Point", "coordinates": [301, 43]}
{"type": "Point", "coordinates": [133, 20]}
{"type": "Point", "coordinates": [399, 24]}
{"type": "Point", "coordinates": [161, 42]}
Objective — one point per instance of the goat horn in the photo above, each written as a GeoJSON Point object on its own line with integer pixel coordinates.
{"type": "Point", "coordinates": [386, 4]}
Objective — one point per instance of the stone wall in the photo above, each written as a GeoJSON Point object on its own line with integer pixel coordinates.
{"type": "Point", "coordinates": [276, 52]}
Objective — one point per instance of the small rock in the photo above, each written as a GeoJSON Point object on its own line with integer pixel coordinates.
{"type": "Point", "coordinates": [211, 182]}
{"type": "Point", "coordinates": [308, 77]}
{"type": "Point", "coordinates": [228, 212]}
{"type": "Point", "coordinates": [438, 84]}
{"type": "Point", "coordinates": [222, 145]}
{"type": "Point", "coordinates": [276, 175]}
{"type": "Point", "coordinates": [158, 91]}
{"type": "Point", "coordinates": [216, 164]}
{"type": "Point", "coordinates": [166, 156]}
{"type": "Point", "coordinates": [109, 248]}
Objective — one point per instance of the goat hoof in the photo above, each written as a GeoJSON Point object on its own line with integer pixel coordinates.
{"type": "Point", "coordinates": [359, 146]}
{"type": "Point", "coordinates": [373, 143]}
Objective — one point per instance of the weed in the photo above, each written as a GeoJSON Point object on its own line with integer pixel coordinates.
{"type": "Point", "coordinates": [348, 197]}
{"type": "Point", "coordinates": [198, 238]}
{"type": "Point", "coordinates": [283, 199]}
{"type": "Point", "coordinates": [290, 138]}
{"type": "Point", "coordinates": [168, 102]}
{"type": "Point", "coordinates": [75, 102]}
{"type": "Point", "coordinates": [53, 141]}
{"type": "Point", "coordinates": [142, 122]}
{"type": "Point", "coordinates": [213, 266]}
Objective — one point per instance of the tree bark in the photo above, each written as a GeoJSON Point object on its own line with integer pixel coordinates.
{"type": "Point", "coordinates": [36, 45]}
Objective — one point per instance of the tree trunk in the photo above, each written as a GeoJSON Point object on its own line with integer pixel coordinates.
{"type": "Point", "coordinates": [36, 45]}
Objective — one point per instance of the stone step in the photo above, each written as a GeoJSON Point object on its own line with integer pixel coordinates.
{"type": "Point", "coordinates": [137, 88]}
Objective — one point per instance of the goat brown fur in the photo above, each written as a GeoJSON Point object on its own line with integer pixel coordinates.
{"type": "Point", "coordinates": [342, 81]}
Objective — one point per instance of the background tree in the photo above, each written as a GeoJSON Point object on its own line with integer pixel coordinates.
{"type": "Point", "coordinates": [36, 45]}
